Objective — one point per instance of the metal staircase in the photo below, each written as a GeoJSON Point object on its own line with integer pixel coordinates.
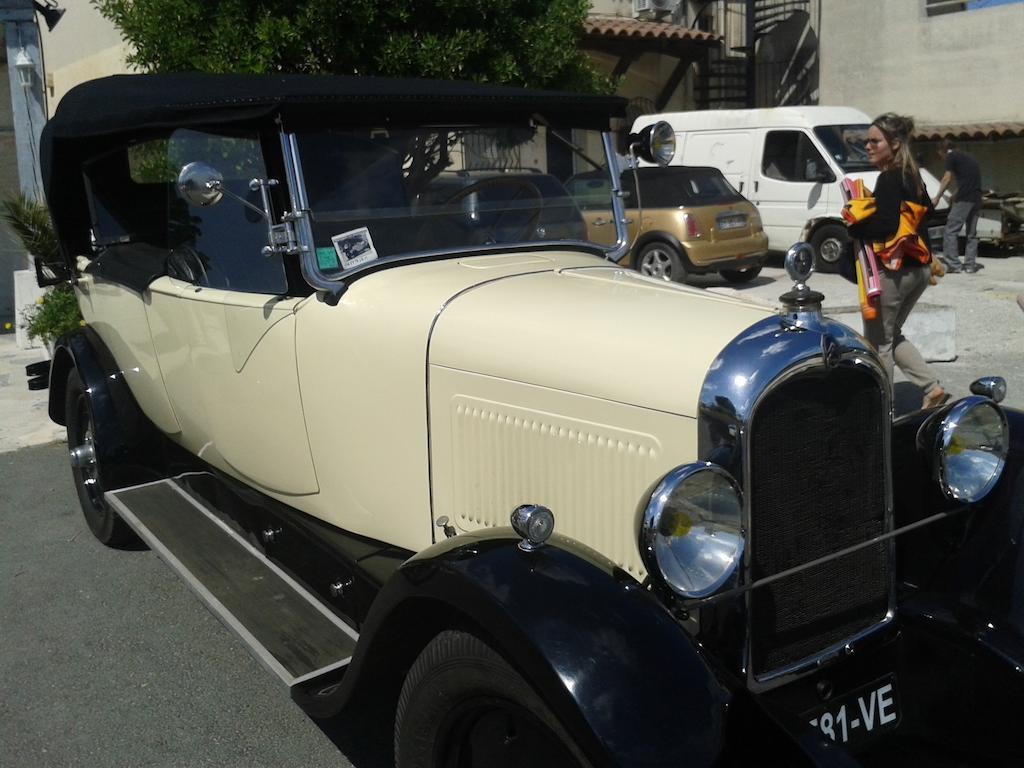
{"type": "Point", "coordinates": [728, 82]}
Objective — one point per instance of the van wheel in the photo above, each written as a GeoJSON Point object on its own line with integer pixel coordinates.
{"type": "Point", "coordinates": [661, 260]}
{"type": "Point", "coordinates": [740, 275]}
{"type": "Point", "coordinates": [463, 706]}
{"type": "Point", "coordinates": [87, 469]}
{"type": "Point", "coordinates": [829, 242]}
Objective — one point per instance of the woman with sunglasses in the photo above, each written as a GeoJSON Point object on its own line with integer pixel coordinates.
{"type": "Point", "coordinates": [906, 269]}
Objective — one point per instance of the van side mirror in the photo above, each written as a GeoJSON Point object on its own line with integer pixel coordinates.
{"type": "Point", "coordinates": [655, 143]}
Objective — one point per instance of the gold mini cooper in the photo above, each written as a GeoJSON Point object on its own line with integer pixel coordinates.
{"type": "Point", "coordinates": [693, 222]}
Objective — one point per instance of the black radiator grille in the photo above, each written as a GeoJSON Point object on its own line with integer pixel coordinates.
{"type": "Point", "coordinates": [817, 485]}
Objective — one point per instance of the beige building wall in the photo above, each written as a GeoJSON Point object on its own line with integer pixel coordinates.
{"type": "Point", "coordinates": [886, 55]}
{"type": "Point", "coordinates": [83, 46]}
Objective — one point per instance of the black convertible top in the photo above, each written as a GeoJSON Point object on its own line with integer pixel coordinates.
{"type": "Point", "coordinates": [131, 102]}
{"type": "Point", "coordinates": [108, 112]}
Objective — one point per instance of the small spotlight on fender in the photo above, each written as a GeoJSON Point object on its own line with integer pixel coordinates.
{"type": "Point", "coordinates": [534, 523]}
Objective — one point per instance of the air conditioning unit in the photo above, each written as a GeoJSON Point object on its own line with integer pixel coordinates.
{"type": "Point", "coordinates": [654, 7]}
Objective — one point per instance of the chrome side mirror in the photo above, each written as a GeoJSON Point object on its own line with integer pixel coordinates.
{"type": "Point", "coordinates": [200, 184]}
{"type": "Point", "coordinates": [992, 387]}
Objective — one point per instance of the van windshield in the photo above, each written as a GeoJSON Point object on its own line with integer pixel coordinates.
{"type": "Point", "coordinates": [845, 143]}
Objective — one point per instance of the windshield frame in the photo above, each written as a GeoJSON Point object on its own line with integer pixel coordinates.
{"type": "Point", "coordinates": [333, 284]}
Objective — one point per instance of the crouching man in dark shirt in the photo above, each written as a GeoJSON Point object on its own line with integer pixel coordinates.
{"type": "Point", "coordinates": [963, 169]}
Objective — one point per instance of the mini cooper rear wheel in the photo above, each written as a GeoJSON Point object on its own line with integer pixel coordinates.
{"type": "Point", "coordinates": [741, 275]}
{"type": "Point", "coordinates": [463, 706]}
{"type": "Point", "coordinates": [86, 468]}
{"type": "Point", "coordinates": [661, 260]}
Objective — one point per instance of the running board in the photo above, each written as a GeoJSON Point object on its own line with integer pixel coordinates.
{"type": "Point", "coordinates": [285, 626]}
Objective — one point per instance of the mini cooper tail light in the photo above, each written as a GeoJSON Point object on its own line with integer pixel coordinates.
{"type": "Point", "coordinates": [690, 224]}
{"type": "Point", "coordinates": [691, 536]}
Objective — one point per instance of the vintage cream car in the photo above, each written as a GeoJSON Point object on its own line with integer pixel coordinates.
{"type": "Point", "coordinates": [338, 339]}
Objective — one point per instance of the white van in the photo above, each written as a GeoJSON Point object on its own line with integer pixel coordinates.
{"type": "Point", "coordinates": [788, 161]}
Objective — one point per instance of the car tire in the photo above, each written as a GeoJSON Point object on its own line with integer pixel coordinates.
{"type": "Point", "coordinates": [740, 275]}
{"type": "Point", "coordinates": [829, 243]}
{"type": "Point", "coordinates": [87, 469]}
{"type": "Point", "coordinates": [661, 260]}
{"type": "Point", "coordinates": [462, 704]}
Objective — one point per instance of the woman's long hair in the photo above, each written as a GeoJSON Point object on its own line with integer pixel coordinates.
{"type": "Point", "coordinates": [899, 128]}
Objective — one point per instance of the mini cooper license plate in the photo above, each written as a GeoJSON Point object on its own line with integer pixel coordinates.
{"type": "Point", "coordinates": [732, 221]}
{"type": "Point", "coordinates": [859, 715]}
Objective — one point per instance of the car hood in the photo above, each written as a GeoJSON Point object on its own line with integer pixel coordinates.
{"type": "Point", "coordinates": [597, 331]}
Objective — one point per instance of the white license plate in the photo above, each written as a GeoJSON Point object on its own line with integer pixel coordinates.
{"type": "Point", "coordinates": [732, 222]}
{"type": "Point", "coordinates": [860, 714]}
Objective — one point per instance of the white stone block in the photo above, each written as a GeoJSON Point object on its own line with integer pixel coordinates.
{"type": "Point", "coordinates": [26, 293]}
{"type": "Point", "coordinates": [931, 328]}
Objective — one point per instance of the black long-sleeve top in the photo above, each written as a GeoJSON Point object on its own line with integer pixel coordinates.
{"type": "Point", "coordinates": [891, 189]}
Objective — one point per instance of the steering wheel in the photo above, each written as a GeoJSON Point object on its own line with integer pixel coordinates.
{"type": "Point", "coordinates": [521, 190]}
{"type": "Point", "coordinates": [186, 263]}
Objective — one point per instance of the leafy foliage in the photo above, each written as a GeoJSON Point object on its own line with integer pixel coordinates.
{"type": "Point", "coordinates": [54, 315]}
{"type": "Point", "coordinates": [30, 221]}
{"type": "Point", "coordinates": [529, 43]}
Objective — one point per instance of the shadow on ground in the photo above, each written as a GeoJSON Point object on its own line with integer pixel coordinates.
{"type": "Point", "coordinates": [364, 733]}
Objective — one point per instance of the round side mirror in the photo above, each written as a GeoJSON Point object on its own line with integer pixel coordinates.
{"type": "Point", "coordinates": [200, 184]}
{"type": "Point", "coordinates": [655, 143]}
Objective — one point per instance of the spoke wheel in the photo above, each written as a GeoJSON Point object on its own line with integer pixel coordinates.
{"type": "Point", "coordinates": [463, 706]}
{"type": "Point", "coordinates": [86, 467]}
{"type": "Point", "coordinates": [660, 261]}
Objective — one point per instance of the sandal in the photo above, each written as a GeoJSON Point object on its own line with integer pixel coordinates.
{"type": "Point", "coordinates": [935, 397]}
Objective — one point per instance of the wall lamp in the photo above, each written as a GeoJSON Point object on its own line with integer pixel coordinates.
{"type": "Point", "coordinates": [25, 68]}
{"type": "Point", "coordinates": [50, 12]}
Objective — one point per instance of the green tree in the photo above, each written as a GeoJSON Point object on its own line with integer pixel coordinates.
{"type": "Point", "coordinates": [529, 43]}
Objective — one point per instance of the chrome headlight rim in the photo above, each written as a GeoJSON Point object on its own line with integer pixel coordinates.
{"type": "Point", "coordinates": [649, 533]}
{"type": "Point", "coordinates": [945, 449]}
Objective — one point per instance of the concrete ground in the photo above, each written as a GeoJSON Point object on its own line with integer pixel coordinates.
{"type": "Point", "coordinates": [979, 311]}
{"type": "Point", "coordinates": [23, 413]}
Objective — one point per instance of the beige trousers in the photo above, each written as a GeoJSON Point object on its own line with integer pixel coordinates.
{"type": "Point", "coordinates": [900, 291]}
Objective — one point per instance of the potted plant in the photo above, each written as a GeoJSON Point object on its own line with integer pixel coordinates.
{"type": "Point", "coordinates": [55, 312]}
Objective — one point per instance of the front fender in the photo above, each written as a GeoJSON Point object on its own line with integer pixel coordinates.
{"type": "Point", "coordinates": [626, 682]}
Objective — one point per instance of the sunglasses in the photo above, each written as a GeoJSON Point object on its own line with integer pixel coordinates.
{"type": "Point", "coordinates": [872, 142]}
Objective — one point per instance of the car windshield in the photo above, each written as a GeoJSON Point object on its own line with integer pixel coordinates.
{"type": "Point", "coordinates": [672, 187]}
{"type": "Point", "coordinates": [845, 143]}
{"type": "Point", "coordinates": [378, 193]}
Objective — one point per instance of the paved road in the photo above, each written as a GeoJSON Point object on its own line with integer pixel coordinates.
{"type": "Point", "coordinates": [108, 661]}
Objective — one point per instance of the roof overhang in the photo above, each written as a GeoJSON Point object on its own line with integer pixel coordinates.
{"type": "Point", "coordinates": [970, 131]}
{"type": "Point", "coordinates": [619, 36]}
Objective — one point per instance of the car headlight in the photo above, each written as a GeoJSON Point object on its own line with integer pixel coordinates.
{"type": "Point", "coordinates": [692, 534]}
{"type": "Point", "coordinates": [655, 143]}
{"type": "Point", "coordinates": [972, 443]}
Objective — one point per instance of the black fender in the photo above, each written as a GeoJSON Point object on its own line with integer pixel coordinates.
{"type": "Point", "coordinates": [126, 441]}
{"type": "Point", "coordinates": [965, 612]}
{"type": "Point", "coordinates": [624, 679]}
{"type": "Point", "coordinates": [977, 555]}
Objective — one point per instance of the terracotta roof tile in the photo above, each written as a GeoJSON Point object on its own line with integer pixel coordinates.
{"type": "Point", "coordinates": [1005, 130]}
{"type": "Point", "coordinates": [635, 29]}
